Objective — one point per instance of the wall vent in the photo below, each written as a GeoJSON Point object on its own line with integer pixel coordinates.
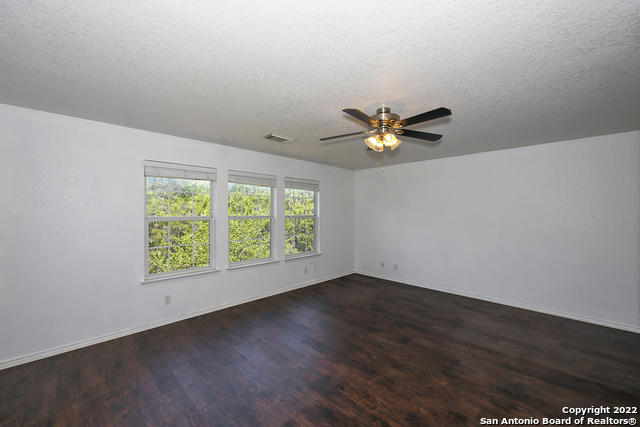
{"type": "Point", "coordinates": [278, 138]}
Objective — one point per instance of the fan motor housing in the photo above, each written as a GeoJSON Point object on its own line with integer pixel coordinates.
{"type": "Point", "coordinates": [385, 116]}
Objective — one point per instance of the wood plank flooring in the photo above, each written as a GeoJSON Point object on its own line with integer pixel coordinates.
{"type": "Point", "coordinates": [354, 351]}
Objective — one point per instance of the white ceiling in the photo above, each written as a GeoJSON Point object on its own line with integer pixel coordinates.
{"type": "Point", "coordinates": [513, 73]}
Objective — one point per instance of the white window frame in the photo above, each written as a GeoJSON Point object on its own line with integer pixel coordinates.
{"type": "Point", "coordinates": [180, 171]}
{"type": "Point", "coordinates": [256, 179]}
{"type": "Point", "coordinates": [309, 185]}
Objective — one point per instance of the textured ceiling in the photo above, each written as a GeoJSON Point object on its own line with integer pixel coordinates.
{"type": "Point", "coordinates": [513, 73]}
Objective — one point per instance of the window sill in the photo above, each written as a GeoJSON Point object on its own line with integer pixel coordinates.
{"type": "Point", "coordinates": [301, 255]}
{"type": "Point", "coordinates": [156, 280]}
{"type": "Point", "coordinates": [252, 263]}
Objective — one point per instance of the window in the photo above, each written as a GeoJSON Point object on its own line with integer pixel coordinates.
{"type": "Point", "coordinates": [250, 217]}
{"type": "Point", "coordinates": [301, 214]}
{"type": "Point", "coordinates": [178, 220]}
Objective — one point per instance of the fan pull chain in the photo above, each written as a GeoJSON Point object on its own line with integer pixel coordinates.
{"type": "Point", "coordinates": [381, 153]}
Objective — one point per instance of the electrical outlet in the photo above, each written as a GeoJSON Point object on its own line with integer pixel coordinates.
{"type": "Point", "coordinates": [395, 266]}
{"type": "Point", "coordinates": [167, 299]}
{"type": "Point", "coordinates": [305, 270]}
{"type": "Point", "coordinates": [382, 265]}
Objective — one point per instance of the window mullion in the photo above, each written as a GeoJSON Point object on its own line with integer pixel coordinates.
{"type": "Point", "coordinates": [250, 217]}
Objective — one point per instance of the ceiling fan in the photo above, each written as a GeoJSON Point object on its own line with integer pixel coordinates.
{"type": "Point", "coordinates": [386, 125]}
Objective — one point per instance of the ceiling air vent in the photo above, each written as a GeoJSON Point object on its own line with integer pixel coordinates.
{"type": "Point", "coordinates": [278, 138]}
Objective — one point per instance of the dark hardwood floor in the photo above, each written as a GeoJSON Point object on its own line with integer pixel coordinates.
{"type": "Point", "coordinates": [351, 351]}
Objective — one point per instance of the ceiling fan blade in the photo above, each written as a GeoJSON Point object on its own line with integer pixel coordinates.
{"type": "Point", "coordinates": [421, 135]}
{"type": "Point", "coordinates": [360, 116]}
{"type": "Point", "coordinates": [429, 115]}
{"type": "Point", "coordinates": [341, 136]}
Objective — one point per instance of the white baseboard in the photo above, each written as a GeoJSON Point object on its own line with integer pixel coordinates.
{"type": "Point", "coordinates": [622, 326]}
{"type": "Point", "coordinates": [85, 343]}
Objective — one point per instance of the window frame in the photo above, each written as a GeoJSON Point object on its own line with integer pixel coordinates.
{"type": "Point", "coordinates": [179, 171]}
{"type": "Point", "coordinates": [307, 185]}
{"type": "Point", "coordinates": [259, 180]}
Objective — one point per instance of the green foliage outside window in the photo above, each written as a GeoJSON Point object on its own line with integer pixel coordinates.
{"type": "Point", "coordinates": [299, 223]}
{"type": "Point", "coordinates": [178, 213]}
{"type": "Point", "coordinates": [249, 222]}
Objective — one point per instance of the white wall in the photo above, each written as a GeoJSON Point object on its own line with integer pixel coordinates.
{"type": "Point", "coordinates": [72, 232]}
{"type": "Point", "coordinates": [553, 227]}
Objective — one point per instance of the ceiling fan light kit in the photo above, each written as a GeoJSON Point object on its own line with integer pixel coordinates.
{"type": "Point", "coordinates": [378, 141]}
{"type": "Point", "coordinates": [387, 125]}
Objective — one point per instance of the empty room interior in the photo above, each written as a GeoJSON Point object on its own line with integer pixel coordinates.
{"type": "Point", "coordinates": [319, 214]}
